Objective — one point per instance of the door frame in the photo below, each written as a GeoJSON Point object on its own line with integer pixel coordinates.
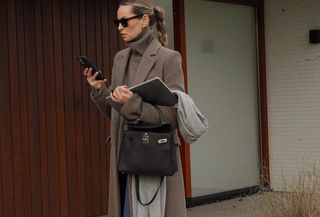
{"type": "Point", "coordinates": [180, 45]}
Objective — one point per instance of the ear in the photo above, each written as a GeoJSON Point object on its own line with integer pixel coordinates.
{"type": "Point", "coordinates": [145, 20]}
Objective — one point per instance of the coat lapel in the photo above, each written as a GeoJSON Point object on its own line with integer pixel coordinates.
{"type": "Point", "coordinates": [122, 66]}
{"type": "Point", "coordinates": [147, 61]}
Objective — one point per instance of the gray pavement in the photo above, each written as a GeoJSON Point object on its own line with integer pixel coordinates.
{"type": "Point", "coordinates": [237, 207]}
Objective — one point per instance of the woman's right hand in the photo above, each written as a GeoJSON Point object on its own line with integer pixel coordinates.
{"type": "Point", "coordinates": [96, 84]}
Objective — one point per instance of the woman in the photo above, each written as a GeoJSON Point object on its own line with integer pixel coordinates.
{"type": "Point", "coordinates": [146, 57]}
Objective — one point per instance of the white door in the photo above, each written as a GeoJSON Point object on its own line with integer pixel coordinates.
{"type": "Point", "coordinates": [223, 81]}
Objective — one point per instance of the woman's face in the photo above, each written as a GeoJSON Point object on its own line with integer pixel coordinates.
{"type": "Point", "coordinates": [135, 25]}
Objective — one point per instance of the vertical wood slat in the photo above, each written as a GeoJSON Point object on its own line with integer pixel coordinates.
{"type": "Point", "coordinates": [106, 69]}
{"type": "Point", "coordinates": [78, 90]}
{"type": "Point", "coordinates": [40, 46]}
{"type": "Point", "coordinates": [60, 111]}
{"type": "Point", "coordinates": [42, 108]}
{"type": "Point", "coordinates": [85, 107]}
{"type": "Point", "coordinates": [115, 36]}
{"type": "Point", "coordinates": [7, 188]}
{"type": "Point", "coordinates": [99, 121]}
{"type": "Point", "coordinates": [55, 163]}
{"type": "Point", "coordinates": [32, 90]}
{"type": "Point", "coordinates": [111, 51]}
{"type": "Point", "coordinates": [106, 60]}
{"type": "Point", "coordinates": [93, 119]}
{"type": "Point", "coordinates": [15, 109]}
{"type": "Point", "coordinates": [24, 122]}
{"type": "Point", "coordinates": [69, 106]}
{"type": "Point", "coordinates": [50, 105]}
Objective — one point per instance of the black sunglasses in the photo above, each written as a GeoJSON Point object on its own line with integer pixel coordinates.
{"type": "Point", "coordinates": [124, 21]}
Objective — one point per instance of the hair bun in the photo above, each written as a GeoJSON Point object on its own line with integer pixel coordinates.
{"type": "Point", "coordinates": [159, 13]}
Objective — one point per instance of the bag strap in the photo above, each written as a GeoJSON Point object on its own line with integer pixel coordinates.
{"type": "Point", "coordinates": [138, 191]}
{"type": "Point", "coordinates": [160, 114]}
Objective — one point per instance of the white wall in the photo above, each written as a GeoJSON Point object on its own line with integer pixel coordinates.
{"type": "Point", "coordinates": [293, 82]}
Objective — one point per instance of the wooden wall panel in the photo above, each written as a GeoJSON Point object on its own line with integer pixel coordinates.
{"type": "Point", "coordinates": [7, 176]}
{"type": "Point", "coordinates": [53, 156]}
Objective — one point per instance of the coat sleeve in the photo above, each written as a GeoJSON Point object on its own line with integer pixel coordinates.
{"type": "Point", "coordinates": [135, 108]}
{"type": "Point", "coordinates": [99, 97]}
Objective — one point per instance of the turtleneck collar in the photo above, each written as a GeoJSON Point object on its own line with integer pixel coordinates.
{"type": "Point", "coordinates": [142, 41]}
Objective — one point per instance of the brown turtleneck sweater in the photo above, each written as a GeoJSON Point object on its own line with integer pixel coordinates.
{"type": "Point", "coordinates": [137, 49]}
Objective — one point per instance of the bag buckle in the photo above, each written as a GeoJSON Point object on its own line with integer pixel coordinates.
{"type": "Point", "coordinates": [160, 141]}
{"type": "Point", "coordinates": [145, 138]}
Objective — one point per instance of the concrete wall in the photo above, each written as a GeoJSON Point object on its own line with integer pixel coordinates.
{"type": "Point", "coordinates": [293, 76]}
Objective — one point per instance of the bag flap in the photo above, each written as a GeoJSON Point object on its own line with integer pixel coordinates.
{"type": "Point", "coordinates": [146, 127]}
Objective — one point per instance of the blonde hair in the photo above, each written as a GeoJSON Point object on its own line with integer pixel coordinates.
{"type": "Point", "coordinates": [156, 15]}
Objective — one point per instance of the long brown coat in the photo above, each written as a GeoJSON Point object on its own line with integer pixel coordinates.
{"type": "Point", "coordinates": [157, 61]}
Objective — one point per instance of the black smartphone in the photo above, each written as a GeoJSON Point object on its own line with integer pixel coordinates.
{"type": "Point", "coordinates": [84, 61]}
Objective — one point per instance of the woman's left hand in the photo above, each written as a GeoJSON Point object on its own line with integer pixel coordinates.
{"type": "Point", "coordinates": [121, 94]}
